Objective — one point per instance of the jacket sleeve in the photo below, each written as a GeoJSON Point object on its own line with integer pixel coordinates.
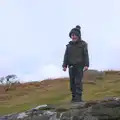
{"type": "Point", "coordinates": [86, 55]}
{"type": "Point", "coordinates": [65, 60]}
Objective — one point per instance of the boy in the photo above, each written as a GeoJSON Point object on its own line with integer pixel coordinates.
{"type": "Point", "coordinates": [76, 58]}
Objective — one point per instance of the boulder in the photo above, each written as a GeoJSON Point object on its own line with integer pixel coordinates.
{"type": "Point", "coordinates": [106, 109]}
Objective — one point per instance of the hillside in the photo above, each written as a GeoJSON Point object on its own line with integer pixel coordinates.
{"type": "Point", "coordinates": [29, 95]}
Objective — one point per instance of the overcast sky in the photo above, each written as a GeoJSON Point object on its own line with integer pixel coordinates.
{"type": "Point", "coordinates": [34, 34]}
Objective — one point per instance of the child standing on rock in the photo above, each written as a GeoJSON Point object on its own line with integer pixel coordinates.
{"type": "Point", "coordinates": [76, 58]}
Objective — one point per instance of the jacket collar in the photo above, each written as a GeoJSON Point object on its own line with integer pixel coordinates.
{"type": "Point", "coordinates": [74, 42]}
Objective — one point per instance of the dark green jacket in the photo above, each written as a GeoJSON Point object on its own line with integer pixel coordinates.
{"type": "Point", "coordinates": [76, 53]}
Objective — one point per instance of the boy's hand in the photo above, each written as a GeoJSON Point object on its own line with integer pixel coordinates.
{"type": "Point", "coordinates": [64, 69]}
{"type": "Point", "coordinates": [85, 68]}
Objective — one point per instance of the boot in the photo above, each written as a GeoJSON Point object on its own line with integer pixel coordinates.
{"type": "Point", "coordinates": [73, 98]}
{"type": "Point", "coordinates": [78, 98]}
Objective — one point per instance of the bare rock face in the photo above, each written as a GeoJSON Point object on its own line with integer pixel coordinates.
{"type": "Point", "coordinates": [107, 109]}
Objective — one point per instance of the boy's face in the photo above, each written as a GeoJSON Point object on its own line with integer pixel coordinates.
{"type": "Point", "coordinates": [74, 37]}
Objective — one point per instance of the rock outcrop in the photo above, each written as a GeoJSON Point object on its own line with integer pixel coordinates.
{"type": "Point", "coordinates": [107, 109]}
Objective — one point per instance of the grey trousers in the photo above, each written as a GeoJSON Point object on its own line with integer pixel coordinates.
{"type": "Point", "coordinates": [76, 76]}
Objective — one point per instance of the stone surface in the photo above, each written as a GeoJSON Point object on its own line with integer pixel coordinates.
{"type": "Point", "coordinates": [107, 109]}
